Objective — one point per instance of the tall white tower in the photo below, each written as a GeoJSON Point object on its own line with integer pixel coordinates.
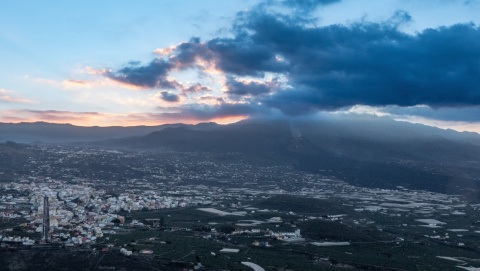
{"type": "Point", "coordinates": [46, 221]}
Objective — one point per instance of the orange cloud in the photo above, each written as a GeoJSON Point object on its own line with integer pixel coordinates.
{"type": "Point", "coordinates": [76, 83]}
{"type": "Point", "coordinates": [93, 71]}
{"type": "Point", "coordinates": [70, 83]}
{"type": "Point", "coordinates": [208, 66]}
{"type": "Point", "coordinates": [165, 51]}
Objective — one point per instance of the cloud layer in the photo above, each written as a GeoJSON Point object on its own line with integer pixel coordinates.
{"type": "Point", "coordinates": [277, 59]}
{"type": "Point", "coordinates": [326, 67]}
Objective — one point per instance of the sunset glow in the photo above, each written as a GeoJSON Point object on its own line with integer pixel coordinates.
{"type": "Point", "coordinates": [238, 60]}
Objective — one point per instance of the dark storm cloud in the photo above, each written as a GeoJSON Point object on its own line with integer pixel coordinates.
{"type": "Point", "coordinates": [330, 67]}
{"type": "Point", "coordinates": [153, 75]}
{"type": "Point", "coordinates": [247, 88]}
{"type": "Point", "coordinates": [196, 88]}
{"type": "Point", "coordinates": [242, 56]}
{"type": "Point", "coordinates": [366, 63]}
{"type": "Point", "coordinates": [187, 52]}
{"type": "Point", "coordinates": [169, 97]}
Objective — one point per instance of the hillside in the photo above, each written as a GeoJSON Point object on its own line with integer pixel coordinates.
{"type": "Point", "coordinates": [67, 133]}
{"type": "Point", "coordinates": [372, 152]}
{"type": "Point", "coordinates": [376, 153]}
{"type": "Point", "coordinates": [12, 156]}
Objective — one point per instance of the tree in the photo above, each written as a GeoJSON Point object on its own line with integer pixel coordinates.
{"type": "Point", "coordinates": [227, 229]}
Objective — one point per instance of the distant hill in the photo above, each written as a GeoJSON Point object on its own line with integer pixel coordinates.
{"type": "Point", "coordinates": [67, 133]}
{"type": "Point", "coordinates": [250, 138]}
{"type": "Point", "coordinates": [370, 152]}
{"type": "Point", "coordinates": [356, 138]}
{"type": "Point", "coordinates": [374, 152]}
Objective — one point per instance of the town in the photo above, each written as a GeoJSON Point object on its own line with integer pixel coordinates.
{"type": "Point", "coordinates": [235, 213]}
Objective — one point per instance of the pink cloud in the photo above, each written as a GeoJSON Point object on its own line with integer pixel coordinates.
{"type": "Point", "coordinates": [8, 97]}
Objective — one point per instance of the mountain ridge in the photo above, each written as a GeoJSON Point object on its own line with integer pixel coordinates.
{"type": "Point", "coordinates": [46, 132]}
{"type": "Point", "coordinates": [362, 153]}
{"type": "Point", "coordinates": [370, 152]}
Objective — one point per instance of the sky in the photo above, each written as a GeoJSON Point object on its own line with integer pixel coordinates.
{"type": "Point", "coordinates": [126, 63]}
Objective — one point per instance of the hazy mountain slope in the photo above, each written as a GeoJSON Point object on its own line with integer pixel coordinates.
{"type": "Point", "coordinates": [374, 152]}
{"type": "Point", "coordinates": [382, 154]}
{"type": "Point", "coordinates": [232, 138]}
{"type": "Point", "coordinates": [12, 156]}
{"type": "Point", "coordinates": [67, 133]}
{"type": "Point", "coordinates": [357, 139]}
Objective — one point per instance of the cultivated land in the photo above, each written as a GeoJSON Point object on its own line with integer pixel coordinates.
{"type": "Point", "coordinates": [179, 210]}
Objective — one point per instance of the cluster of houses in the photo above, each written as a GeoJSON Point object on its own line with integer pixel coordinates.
{"type": "Point", "coordinates": [79, 213]}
